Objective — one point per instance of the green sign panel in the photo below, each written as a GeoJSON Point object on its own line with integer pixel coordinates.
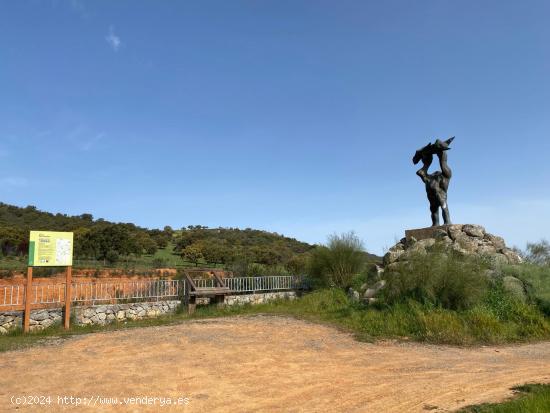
{"type": "Point", "coordinates": [50, 249]}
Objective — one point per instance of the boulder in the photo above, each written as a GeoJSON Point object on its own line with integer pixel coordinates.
{"type": "Point", "coordinates": [454, 231]}
{"type": "Point", "coordinates": [393, 256]}
{"type": "Point", "coordinates": [378, 285]}
{"type": "Point", "coordinates": [497, 242]}
{"type": "Point", "coordinates": [88, 312]}
{"type": "Point", "coordinates": [515, 286]}
{"type": "Point", "coordinates": [486, 250]}
{"type": "Point", "coordinates": [370, 293]}
{"type": "Point", "coordinates": [353, 295]}
{"type": "Point", "coordinates": [466, 243]}
{"type": "Point", "coordinates": [513, 257]}
{"type": "Point", "coordinates": [474, 230]}
{"type": "Point", "coordinates": [40, 315]}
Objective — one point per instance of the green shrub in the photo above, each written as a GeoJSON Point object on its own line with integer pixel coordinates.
{"type": "Point", "coordinates": [539, 253]}
{"type": "Point", "coordinates": [112, 257]}
{"type": "Point", "coordinates": [537, 280]}
{"type": "Point", "coordinates": [297, 265]}
{"type": "Point", "coordinates": [499, 302]}
{"type": "Point", "coordinates": [337, 263]}
{"type": "Point", "coordinates": [447, 279]}
{"type": "Point", "coordinates": [410, 319]}
{"type": "Point", "coordinates": [258, 270]}
{"type": "Point", "coordinates": [159, 262]}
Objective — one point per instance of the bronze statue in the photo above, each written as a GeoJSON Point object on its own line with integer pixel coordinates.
{"type": "Point", "coordinates": [436, 183]}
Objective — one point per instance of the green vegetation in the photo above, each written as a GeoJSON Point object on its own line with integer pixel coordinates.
{"type": "Point", "coordinates": [538, 253]}
{"type": "Point", "coordinates": [338, 263]}
{"type": "Point", "coordinates": [407, 320]}
{"type": "Point", "coordinates": [441, 279]}
{"type": "Point", "coordinates": [236, 248]}
{"type": "Point", "coordinates": [497, 319]}
{"type": "Point", "coordinates": [100, 243]}
{"type": "Point", "coordinates": [532, 398]}
{"type": "Point", "coordinates": [535, 273]}
{"type": "Point", "coordinates": [440, 297]}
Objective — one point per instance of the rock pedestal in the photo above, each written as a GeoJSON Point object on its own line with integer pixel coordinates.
{"type": "Point", "coordinates": [467, 239]}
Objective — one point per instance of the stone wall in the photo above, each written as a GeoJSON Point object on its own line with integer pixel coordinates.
{"type": "Point", "coordinates": [40, 319]}
{"type": "Point", "coordinates": [259, 298]}
{"type": "Point", "coordinates": [104, 314]}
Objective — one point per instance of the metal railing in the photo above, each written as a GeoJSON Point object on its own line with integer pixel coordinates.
{"type": "Point", "coordinates": [204, 283]}
{"type": "Point", "coordinates": [125, 291]}
{"type": "Point", "coordinates": [12, 297]}
{"type": "Point", "coordinates": [48, 293]}
{"type": "Point", "coordinates": [270, 283]}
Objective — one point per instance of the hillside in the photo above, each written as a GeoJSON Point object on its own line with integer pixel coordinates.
{"type": "Point", "coordinates": [101, 239]}
{"type": "Point", "coordinates": [101, 242]}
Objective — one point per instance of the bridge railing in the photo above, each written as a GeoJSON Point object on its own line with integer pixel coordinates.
{"type": "Point", "coordinates": [13, 297]}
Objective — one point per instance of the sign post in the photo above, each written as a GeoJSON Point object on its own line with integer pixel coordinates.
{"type": "Point", "coordinates": [28, 295]}
{"type": "Point", "coordinates": [68, 282]}
{"type": "Point", "coordinates": [49, 249]}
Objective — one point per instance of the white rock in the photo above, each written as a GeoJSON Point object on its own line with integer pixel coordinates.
{"type": "Point", "coordinates": [370, 293]}
{"type": "Point", "coordinates": [88, 312]}
{"type": "Point", "coordinates": [40, 315]}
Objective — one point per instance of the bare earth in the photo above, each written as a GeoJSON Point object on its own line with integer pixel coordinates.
{"type": "Point", "coordinates": [265, 364]}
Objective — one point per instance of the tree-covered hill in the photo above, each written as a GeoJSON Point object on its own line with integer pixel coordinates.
{"type": "Point", "coordinates": [224, 245]}
{"type": "Point", "coordinates": [101, 239]}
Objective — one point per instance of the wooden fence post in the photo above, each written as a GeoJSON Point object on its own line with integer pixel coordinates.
{"type": "Point", "coordinates": [68, 294]}
{"type": "Point", "coordinates": [28, 299]}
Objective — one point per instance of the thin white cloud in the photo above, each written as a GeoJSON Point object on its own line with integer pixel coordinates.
{"type": "Point", "coordinates": [113, 40]}
{"type": "Point", "coordinates": [86, 145]}
{"type": "Point", "coordinates": [13, 182]}
{"type": "Point", "coordinates": [83, 138]}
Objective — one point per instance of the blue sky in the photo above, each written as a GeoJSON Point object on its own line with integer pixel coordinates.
{"type": "Point", "coordinates": [299, 117]}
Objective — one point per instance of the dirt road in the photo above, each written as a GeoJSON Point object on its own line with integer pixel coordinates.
{"type": "Point", "coordinates": [264, 364]}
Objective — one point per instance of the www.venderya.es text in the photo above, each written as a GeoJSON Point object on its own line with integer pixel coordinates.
{"type": "Point", "coordinates": [96, 400]}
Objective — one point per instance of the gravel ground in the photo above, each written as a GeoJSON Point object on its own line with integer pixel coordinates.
{"type": "Point", "coordinates": [263, 364]}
